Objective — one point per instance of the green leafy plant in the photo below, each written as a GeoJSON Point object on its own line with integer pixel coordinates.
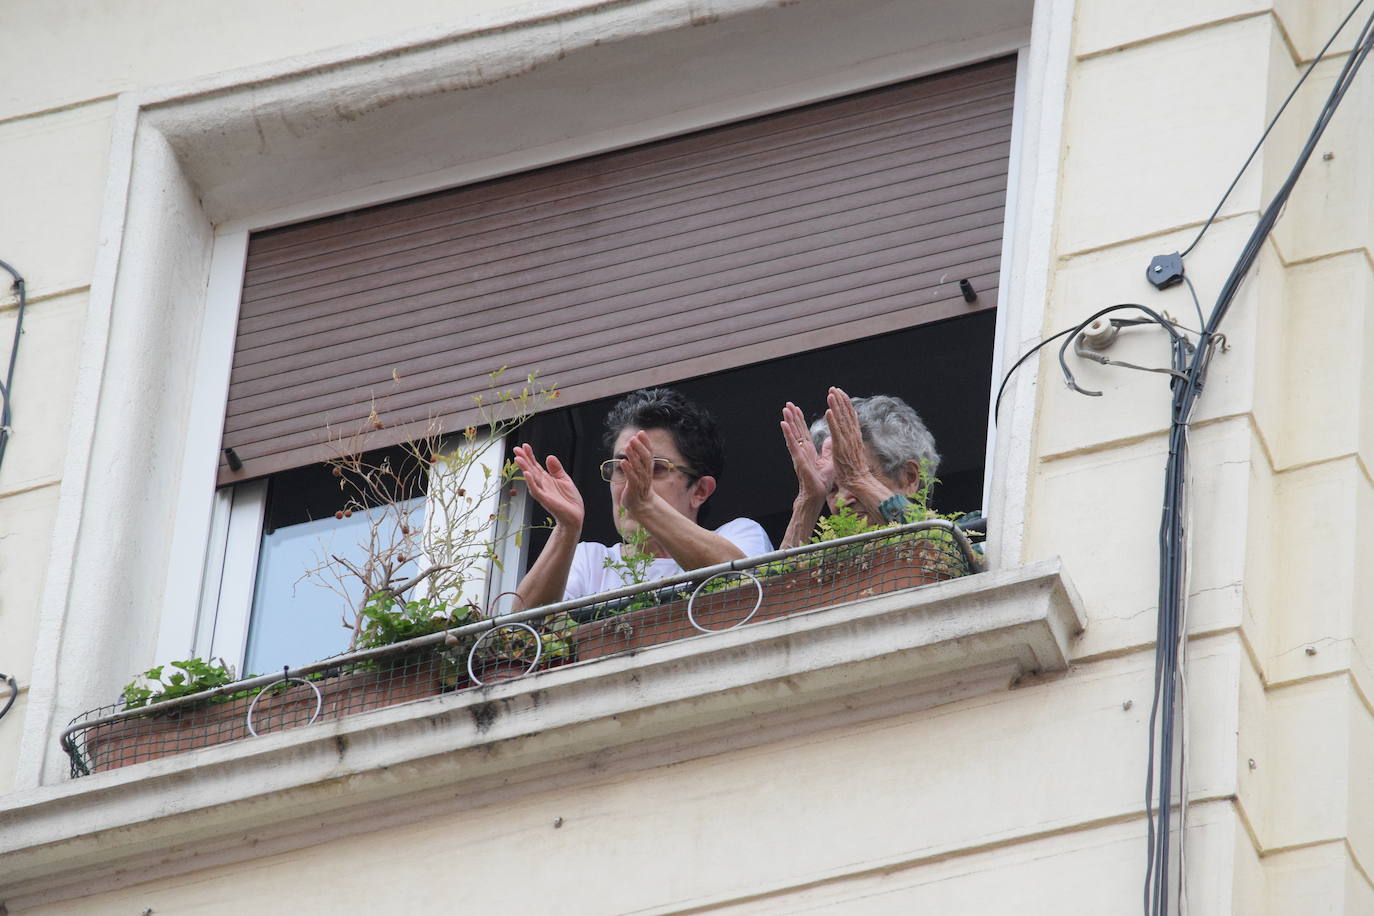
{"type": "Point", "coordinates": [513, 643]}
{"type": "Point", "coordinates": [175, 679]}
{"type": "Point", "coordinates": [939, 544]}
{"type": "Point", "coordinates": [633, 564]}
{"type": "Point", "coordinates": [843, 523]}
{"type": "Point", "coordinates": [556, 634]}
{"type": "Point", "coordinates": [387, 619]}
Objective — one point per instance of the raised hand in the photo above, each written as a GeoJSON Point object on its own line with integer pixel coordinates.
{"type": "Point", "coordinates": [638, 468]}
{"type": "Point", "coordinates": [815, 470]}
{"type": "Point", "coordinates": [851, 457]}
{"type": "Point", "coordinates": [853, 474]}
{"type": "Point", "coordinates": [552, 488]}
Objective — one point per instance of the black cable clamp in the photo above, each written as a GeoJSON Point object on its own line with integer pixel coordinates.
{"type": "Point", "coordinates": [1165, 270]}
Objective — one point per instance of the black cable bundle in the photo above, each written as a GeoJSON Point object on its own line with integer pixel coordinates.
{"type": "Point", "coordinates": [1171, 531]}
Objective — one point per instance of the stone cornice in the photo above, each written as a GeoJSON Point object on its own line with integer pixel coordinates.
{"type": "Point", "coordinates": [874, 657]}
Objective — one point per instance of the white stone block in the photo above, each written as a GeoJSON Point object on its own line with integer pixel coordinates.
{"type": "Point", "coordinates": [1101, 511]}
{"type": "Point", "coordinates": [1316, 881]}
{"type": "Point", "coordinates": [1108, 24]}
{"type": "Point", "coordinates": [1320, 766]}
{"type": "Point", "coordinates": [1316, 541]}
{"type": "Point", "coordinates": [1155, 133]}
{"type": "Point", "coordinates": [1332, 206]}
{"type": "Point", "coordinates": [52, 180]}
{"type": "Point", "coordinates": [45, 375]}
{"type": "Point", "coordinates": [83, 52]}
{"type": "Point", "coordinates": [26, 521]}
{"type": "Point", "coordinates": [1327, 368]}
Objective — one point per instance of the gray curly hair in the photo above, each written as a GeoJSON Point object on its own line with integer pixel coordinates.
{"type": "Point", "coordinates": [894, 431]}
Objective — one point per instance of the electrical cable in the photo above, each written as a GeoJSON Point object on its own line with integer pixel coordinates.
{"type": "Point", "coordinates": [1153, 319]}
{"type": "Point", "coordinates": [8, 386]}
{"type": "Point", "coordinates": [1171, 627]}
{"type": "Point", "coordinates": [1250, 158]}
{"type": "Point", "coordinates": [1201, 319]}
{"type": "Point", "coordinates": [997, 404]}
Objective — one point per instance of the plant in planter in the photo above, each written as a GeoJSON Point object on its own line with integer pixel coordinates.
{"type": "Point", "coordinates": [175, 679]}
{"type": "Point", "coordinates": [514, 649]}
{"type": "Point", "coordinates": [407, 579]}
{"type": "Point", "coordinates": [410, 578]}
{"type": "Point", "coordinates": [818, 579]}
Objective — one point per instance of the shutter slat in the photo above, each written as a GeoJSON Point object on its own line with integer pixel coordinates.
{"type": "Point", "coordinates": [922, 97]}
{"type": "Point", "coordinates": [612, 273]}
{"type": "Point", "coordinates": [646, 325]}
{"type": "Point", "coordinates": [793, 231]}
{"type": "Point", "coordinates": [516, 211]}
{"type": "Point", "coordinates": [934, 165]}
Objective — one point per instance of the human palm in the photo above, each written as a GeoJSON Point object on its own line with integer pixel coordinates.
{"type": "Point", "coordinates": [815, 470]}
{"type": "Point", "coordinates": [551, 487]}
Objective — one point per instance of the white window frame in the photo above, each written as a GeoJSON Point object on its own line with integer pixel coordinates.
{"type": "Point", "coordinates": [180, 202]}
{"type": "Point", "coordinates": [220, 625]}
{"type": "Point", "coordinates": [224, 615]}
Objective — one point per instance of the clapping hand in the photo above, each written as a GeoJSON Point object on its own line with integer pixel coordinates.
{"type": "Point", "coordinates": [854, 475]}
{"type": "Point", "coordinates": [552, 487]}
{"type": "Point", "coordinates": [815, 470]}
{"type": "Point", "coordinates": [638, 468]}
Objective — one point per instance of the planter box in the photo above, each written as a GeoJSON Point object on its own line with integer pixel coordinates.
{"type": "Point", "coordinates": [819, 580]}
{"type": "Point", "coordinates": [846, 575]}
{"type": "Point", "coordinates": [150, 737]}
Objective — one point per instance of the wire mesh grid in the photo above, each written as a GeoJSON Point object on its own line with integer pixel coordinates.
{"type": "Point", "coordinates": [713, 600]}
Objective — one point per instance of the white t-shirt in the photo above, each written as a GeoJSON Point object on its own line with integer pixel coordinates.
{"type": "Point", "coordinates": [589, 575]}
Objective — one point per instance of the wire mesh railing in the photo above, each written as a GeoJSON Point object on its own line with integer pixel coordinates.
{"type": "Point", "coordinates": [705, 601]}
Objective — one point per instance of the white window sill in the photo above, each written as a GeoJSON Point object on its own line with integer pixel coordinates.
{"type": "Point", "coordinates": [867, 659]}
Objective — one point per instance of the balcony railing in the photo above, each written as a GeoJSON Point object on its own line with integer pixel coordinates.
{"type": "Point", "coordinates": [706, 601]}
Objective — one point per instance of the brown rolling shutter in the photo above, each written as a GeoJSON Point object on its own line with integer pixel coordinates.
{"type": "Point", "coordinates": [789, 232]}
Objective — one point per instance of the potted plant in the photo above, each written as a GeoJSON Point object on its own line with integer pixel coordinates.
{"type": "Point", "coordinates": [823, 578]}
{"type": "Point", "coordinates": [408, 579]}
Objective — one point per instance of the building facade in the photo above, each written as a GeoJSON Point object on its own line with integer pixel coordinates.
{"type": "Point", "coordinates": [968, 747]}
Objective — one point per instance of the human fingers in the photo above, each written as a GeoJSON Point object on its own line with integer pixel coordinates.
{"type": "Point", "coordinates": [525, 460]}
{"type": "Point", "coordinates": [846, 448]}
{"type": "Point", "coordinates": [794, 448]}
{"type": "Point", "coordinates": [843, 409]}
{"type": "Point", "coordinates": [796, 425]}
{"type": "Point", "coordinates": [638, 467]}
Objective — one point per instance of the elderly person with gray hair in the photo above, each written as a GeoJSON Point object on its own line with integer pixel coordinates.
{"type": "Point", "coordinates": [871, 453]}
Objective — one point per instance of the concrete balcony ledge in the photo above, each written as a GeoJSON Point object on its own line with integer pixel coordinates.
{"type": "Point", "coordinates": [868, 659]}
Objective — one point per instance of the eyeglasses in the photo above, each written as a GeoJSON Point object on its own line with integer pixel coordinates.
{"type": "Point", "coordinates": [611, 470]}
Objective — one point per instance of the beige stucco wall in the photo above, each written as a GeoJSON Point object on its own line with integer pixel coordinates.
{"type": "Point", "coordinates": [1028, 799]}
{"type": "Point", "coordinates": [1155, 129]}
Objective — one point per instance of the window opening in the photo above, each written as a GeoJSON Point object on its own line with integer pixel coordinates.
{"type": "Point", "coordinates": [294, 619]}
{"type": "Point", "coordinates": [944, 370]}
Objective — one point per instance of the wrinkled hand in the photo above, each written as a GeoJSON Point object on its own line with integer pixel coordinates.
{"type": "Point", "coordinates": [638, 468]}
{"type": "Point", "coordinates": [815, 470]}
{"type": "Point", "coordinates": [851, 457]}
{"type": "Point", "coordinates": [852, 472]}
{"type": "Point", "coordinates": [552, 488]}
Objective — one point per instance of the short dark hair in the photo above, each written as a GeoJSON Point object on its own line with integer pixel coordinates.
{"type": "Point", "coordinates": [692, 427]}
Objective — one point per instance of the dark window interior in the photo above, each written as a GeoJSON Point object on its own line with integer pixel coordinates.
{"type": "Point", "coordinates": [943, 370]}
{"type": "Point", "coordinates": [312, 492]}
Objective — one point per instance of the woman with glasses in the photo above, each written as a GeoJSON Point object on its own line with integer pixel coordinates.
{"type": "Point", "coordinates": [871, 453]}
{"type": "Point", "coordinates": [666, 458]}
